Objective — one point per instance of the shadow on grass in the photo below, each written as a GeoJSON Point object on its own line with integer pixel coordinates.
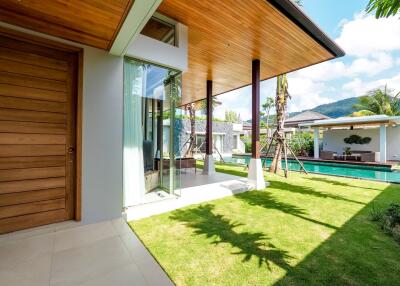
{"type": "Point", "coordinates": [336, 182]}
{"type": "Point", "coordinates": [266, 200]}
{"type": "Point", "coordinates": [283, 186]}
{"type": "Point", "coordinates": [205, 222]}
{"type": "Point", "coordinates": [358, 253]}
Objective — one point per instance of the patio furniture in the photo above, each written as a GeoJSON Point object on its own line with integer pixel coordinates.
{"type": "Point", "coordinates": [368, 157]}
{"type": "Point", "coordinates": [180, 163]}
{"type": "Point", "coordinates": [327, 155]}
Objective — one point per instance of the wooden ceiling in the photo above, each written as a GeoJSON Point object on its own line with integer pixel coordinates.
{"type": "Point", "coordinates": [225, 36]}
{"type": "Point", "coordinates": [90, 22]}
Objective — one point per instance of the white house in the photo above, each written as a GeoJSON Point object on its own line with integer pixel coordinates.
{"type": "Point", "coordinates": [381, 134]}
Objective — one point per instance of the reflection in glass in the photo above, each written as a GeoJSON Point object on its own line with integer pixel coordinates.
{"type": "Point", "coordinates": [151, 94]}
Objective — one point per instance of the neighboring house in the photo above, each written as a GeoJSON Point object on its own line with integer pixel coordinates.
{"type": "Point", "coordinates": [304, 118]}
{"type": "Point", "coordinates": [85, 88]}
{"type": "Point", "coordinates": [226, 137]}
{"type": "Point", "coordinates": [378, 135]}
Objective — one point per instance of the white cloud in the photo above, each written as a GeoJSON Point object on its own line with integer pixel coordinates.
{"type": "Point", "coordinates": [360, 66]}
{"type": "Point", "coordinates": [306, 93]}
{"type": "Point", "coordinates": [398, 62]}
{"type": "Point", "coordinates": [359, 87]}
{"type": "Point", "coordinates": [365, 35]}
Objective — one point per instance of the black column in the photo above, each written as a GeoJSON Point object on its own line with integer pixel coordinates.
{"type": "Point", "coordinates": [209, 149]}
{"type": "Point", "coordinates": [255, 105]}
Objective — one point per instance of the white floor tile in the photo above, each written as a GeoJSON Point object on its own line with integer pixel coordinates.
{"type": "Point", "coordinates": [22, 250]}
{"type": "Point", "coordinates": [83, 235]}
{"type": "Point", "coordinates": [78, 265]}
{"type": "Point", "coordinates": [127, 275]}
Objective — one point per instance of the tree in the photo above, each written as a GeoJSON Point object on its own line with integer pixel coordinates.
{"type": "Point", "coordinates": [383, 8]}
{"type": "Point", "coordinates": [267, 105]}
{"type": "Point", "coordinates": [281, 99]}
{"type": "Point", "coordinates": [378, 101]}
{"type": "Point", "coordinates": [191, 108]}
{"type": "Point", "coordinates": [231, 116]}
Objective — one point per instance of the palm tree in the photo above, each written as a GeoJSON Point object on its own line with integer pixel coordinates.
{"type": "Point", "coordinates": [378, 101]}
{"type": "Point", "coordinates": [282, 96]}
{"type": "Point", "coordinates": [268, 104]}
{"type": "Point", "coordinates": [383, 8]}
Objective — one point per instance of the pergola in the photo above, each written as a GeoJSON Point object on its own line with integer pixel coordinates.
{"type": "Point", "coordinates": [377, 121]}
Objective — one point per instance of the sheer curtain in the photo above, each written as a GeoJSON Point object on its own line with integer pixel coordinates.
{"type": "Point", "coordinates": [134, 182]}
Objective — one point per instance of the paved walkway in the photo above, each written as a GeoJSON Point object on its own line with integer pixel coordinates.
{"type": "Point", "coordinates": [69, 253]}
{"type": "Point", "coordinates": [195, 188]}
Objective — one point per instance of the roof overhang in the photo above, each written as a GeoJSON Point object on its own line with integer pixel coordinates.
{"type": "Point", "coordinates": [92, 23]}
{"type": "Point", "coordinates": [225, 36]}
{"type": "Point", "coordinates": [355, 121]}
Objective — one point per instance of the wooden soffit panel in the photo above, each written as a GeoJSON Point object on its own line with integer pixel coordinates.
{"type": "Point", "coordinates": [90, 22]}
{"type": "Point", "coordinates": [225, 36]}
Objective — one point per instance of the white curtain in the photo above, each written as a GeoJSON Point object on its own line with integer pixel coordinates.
{"type": "Point", "coordinates": [134, 186]}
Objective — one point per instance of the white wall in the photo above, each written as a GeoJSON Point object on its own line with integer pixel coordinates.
{"type": "Point", "coordinates": [154, 51]}
{"type": "Point", "coordinates": [102, 136]}
{"type": "Point", "coordinates": [333, 141]}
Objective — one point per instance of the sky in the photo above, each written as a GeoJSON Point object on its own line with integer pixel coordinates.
{"type": "Point", "coordinates": [372, 60]}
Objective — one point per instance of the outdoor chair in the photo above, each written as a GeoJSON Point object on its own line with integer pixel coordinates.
{"type": "Point", "coordinates": [327, 155]}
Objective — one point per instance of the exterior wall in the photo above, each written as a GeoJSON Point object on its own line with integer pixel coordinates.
{"type": "Point", "coordinates": [157, 52]}
{"type": "Point", "coordinates": [102, 136]}
{"type": "Point", "coordinates": [200, 127]}
{"type": "Point", "coordinates": [333, 141]}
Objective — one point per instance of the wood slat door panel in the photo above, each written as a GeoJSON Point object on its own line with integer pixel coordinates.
{"type": "Point", "coordinates": [31, 150]}
{"type": "Point", "coordinates": [32, 104]}
{"type": "Point", "coordinates": [32, 70]}
{"type": "Point", "coordinates": [29, 208]}
{"type": "Point", "coordinates": [31, 162]}
{"type": "Point", "coordinates": [31, 185]}
{"type": "Point", "coordinates": [32, 127]}
{"type": "Point", "coordinates": [30, 81]}
{"type": "Point", "coordinates": [38, 88]}
{"type": "Point", "coordinates": [31, 196]}
{"type": "Point", "coordinates": [33, 93]}
{"type": "Point", "coordinates": [32, 139]}
{"type": "Point", "coordinates": [31, 173]}
{"type": "Point", "coordinates": [31, 220]}
{"type": "Point", "coordinates": [31, 116]}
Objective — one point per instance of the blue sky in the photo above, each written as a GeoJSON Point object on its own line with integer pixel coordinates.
{"type": "Point", "coordinates": [372, 60]}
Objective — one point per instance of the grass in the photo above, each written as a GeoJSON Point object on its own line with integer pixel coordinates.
{"type": "Point", "coordinates": [304, 230]}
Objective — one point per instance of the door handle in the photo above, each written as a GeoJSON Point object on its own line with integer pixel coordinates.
{"type": "Point", "coordinates": [70, 150]}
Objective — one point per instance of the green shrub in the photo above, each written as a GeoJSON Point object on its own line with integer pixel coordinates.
{"type": "Point", "coordinates": [302, 144]}
{"type": "Point", "coordinates": [389, 219]}
{"type": "Point", "coordinates": [376, 213]}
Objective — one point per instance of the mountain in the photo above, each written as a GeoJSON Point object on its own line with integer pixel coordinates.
{"type": "Point", "coordinates": [335, 109]}
{"type": "Point", "coordinates": [338, 108]}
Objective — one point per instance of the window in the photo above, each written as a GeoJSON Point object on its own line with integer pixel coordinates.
{"type": "Point", "coordinates": [160, 30]}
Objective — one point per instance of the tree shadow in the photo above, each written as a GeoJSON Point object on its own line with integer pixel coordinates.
{"type": "Point", "coordinates": [283, 186]}
{"type": "Point", "coordinates": [266, 200]}
{"type": "Point", "coordinates": [359, 253]}
{"type": "Point", "coordinates": [205, 222]}
{"type": "Point", "coordinates": [336, 182]}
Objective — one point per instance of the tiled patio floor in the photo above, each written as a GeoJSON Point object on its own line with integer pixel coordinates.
{"type": "Point", "coordinates": [195, 188]}
{"type": "Point", "coordinates": [69, 253]}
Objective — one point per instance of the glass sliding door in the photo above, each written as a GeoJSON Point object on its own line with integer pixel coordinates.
{"type": "Point", "coordinates": [151, 95]}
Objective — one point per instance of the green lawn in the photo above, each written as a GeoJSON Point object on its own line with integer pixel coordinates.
{"type": "Point", "coordinates": [304, 230]}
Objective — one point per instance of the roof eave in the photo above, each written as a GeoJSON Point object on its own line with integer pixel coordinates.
{"type": "Point", "coordinates": [296, 15]}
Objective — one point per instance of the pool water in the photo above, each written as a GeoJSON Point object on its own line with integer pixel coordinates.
{"type": "Point", "coordinates": [378, 173]}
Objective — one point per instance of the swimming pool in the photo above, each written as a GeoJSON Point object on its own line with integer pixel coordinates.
{"type": "Point", "coordinates": [377, 173]}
